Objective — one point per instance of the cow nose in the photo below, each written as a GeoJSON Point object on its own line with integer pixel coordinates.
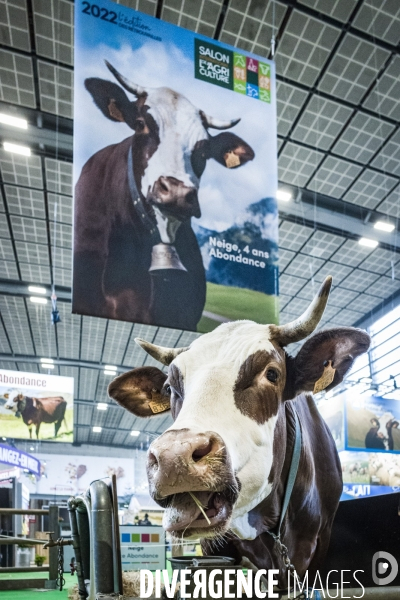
{"type": "Point", "coordinates": [177, 197]}
{"type": "Point", "coordinates": [180, 459]}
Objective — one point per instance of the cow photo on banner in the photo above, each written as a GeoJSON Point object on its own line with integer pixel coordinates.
{"type": "Point", "coordinates": [372, 422]}
{"type": "Point", "coordinates": [36, 406]}
{"type": "Point", "coordinates": [175, 172]}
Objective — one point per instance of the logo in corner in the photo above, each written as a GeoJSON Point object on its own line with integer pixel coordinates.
{"type": "Point", "coordinates": [384, 568]}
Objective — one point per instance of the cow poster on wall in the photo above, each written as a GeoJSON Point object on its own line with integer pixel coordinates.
{"type": "Point", "coordinates": [72, 474]}
{"type": "Point", "coordinates": [175, 171]}
{"type": "Point", "coordinates": [372, 423]}
{"type": "Point", "coordinates": [36, 406]}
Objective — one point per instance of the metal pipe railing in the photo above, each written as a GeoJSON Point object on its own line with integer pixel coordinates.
{"type": "Point", "coordinates": [103, 549]}
{"type": "Point", "coordinates": [76, 542]}
{"type": "Point", "coordinates": [24, 511]}
{"type": "Point", "coordinates": [8, 540]}
{"type": "Point", "coordinates": [95, 531]}
{"type": "Point", "coordinates": [24, 569]}
{"type": "Point", "coordinates": [53, 514]}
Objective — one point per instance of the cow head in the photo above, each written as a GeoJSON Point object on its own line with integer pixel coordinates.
{"type": "Point", "coordinates": [170, 147]}
{"type": "Point", "coordinates": [225, 392]}
{"type": "Point", "coordinates": [16, 403]}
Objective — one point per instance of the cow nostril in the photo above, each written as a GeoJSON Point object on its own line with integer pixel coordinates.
{"type": "Point", "coordinates": [163, 185]}
{"type": "Point", "coordinates": [202, 451]}
{"type": "Point", "coordinates": [152, 460]}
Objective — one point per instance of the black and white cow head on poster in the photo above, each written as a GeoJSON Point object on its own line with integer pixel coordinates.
{"type": "Point", "coordinates": [170, 147]}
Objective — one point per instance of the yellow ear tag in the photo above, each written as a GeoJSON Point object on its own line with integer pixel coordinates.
{"type": "Point", "coordinates": [114, 112]}
{"type": "Point", "coordinates": [158, 407]}
{"type": "Point", "coordinates": [325, 379]}
{"type": "Point", "coordinates": [231, 160]}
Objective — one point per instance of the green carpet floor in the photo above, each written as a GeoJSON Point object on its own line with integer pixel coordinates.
{"type": "Point", "coordinates": [31, 594]}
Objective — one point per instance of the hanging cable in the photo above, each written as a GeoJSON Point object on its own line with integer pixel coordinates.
{"type": "Point", "coordinates": [55, 315]}
{"type": "Point", "coordinates": [273, 30]}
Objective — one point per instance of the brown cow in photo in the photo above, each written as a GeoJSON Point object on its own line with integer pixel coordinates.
{"type": "Point", "coordinates": [35, 411]}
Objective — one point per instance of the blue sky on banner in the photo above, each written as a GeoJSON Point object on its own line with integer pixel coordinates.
{"type": "Point", "coordinates": [150, 63]}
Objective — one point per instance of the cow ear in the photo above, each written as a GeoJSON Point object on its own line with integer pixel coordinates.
{"type": "Point", "coordinates": [324, 360]}
{"type": "Point", "coordinates": [230, 150]}
{"type": "Point", "coordinates": [139, 391]}
{"type": "Point", "coordinates": [110, 99]}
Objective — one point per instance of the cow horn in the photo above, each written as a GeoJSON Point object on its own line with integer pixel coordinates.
{"type": "Point", "coordinates": [210, 122]}
{"type": "Point", "coordinates": [160, 353]}
{"type": "Point", "coordinates": [303, 326]}
{"type": "Point", "coordinates": [128, 85]}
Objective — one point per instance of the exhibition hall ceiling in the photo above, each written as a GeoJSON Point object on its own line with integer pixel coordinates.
{"type": "Point", "coordinates": [338, 90]}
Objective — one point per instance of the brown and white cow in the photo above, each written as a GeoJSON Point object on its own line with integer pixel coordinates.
{"type": "Point", "coordinates": [35, 411]}
{"type": "Point", "coordinates": [143, 192]}
{"type": "Point", "coordinates": [233, 393]}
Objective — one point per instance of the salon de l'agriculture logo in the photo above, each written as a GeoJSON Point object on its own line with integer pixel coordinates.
{"type": "Point", "coordinates": [232, 70]}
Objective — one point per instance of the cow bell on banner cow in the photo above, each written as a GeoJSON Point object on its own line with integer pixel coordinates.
{"type": "Point", "coordinates": [165, 256]}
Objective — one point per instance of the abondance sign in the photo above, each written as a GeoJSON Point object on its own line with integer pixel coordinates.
{"type": "Point", "coordinates": [175, 174]}
{"type": "Point", "coordinates": [36, 405]}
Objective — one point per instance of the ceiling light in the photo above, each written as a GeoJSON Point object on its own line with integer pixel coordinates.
{"type": "Point", "coordinates": [384, 226]}
{"type": "Point", "coordinates": [37, 290]}
{"type": "Point", "coordinates": [107, 372]}
{"type": "Point", "coordinates": [367, 242]}
{"type": "Point", "coordinates": [31, 448]}
{"type": "Point", "coordinates": [110, 368]}
{"type": "Point", "coordinates": [96, 429]}
{"type": "Point", "coordinates": [38, 300]}
{"type": "Point", "coordinates": [47, 360]}
{"type": "Point", "coordinates": [17, 149]}
{"type": "Point", "coordinates": [47, 366]}
{"type": "Point", "coordinates": [101, 406]}
{"type": "Point", "coordinates": [14, 121]}
{"type": "Point", "coordinates": [135, 433]}
{"type": "Point", "coordinates": [284, 195]}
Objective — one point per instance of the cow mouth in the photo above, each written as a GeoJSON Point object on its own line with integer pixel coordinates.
{"type": "Point", "coordinates": [183, 516]}
{"type": "Point", "coordinates": [174, 199]}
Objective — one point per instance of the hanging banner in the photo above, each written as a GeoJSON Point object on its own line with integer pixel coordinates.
{"type": "Point", "coordinates": [175, 172]}
{"type": "Point", "coordinates": [353, 491]}
{"type": "Point", "coordinates": [36, 406]}
{"type": "Point", "coordinates": [17, 458]}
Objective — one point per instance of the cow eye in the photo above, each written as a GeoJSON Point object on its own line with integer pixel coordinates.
{"type": "Point", "coordinates": [168, 390]}
{"type": "Point", "coordinates": [272, 375]}
{"type": "Point", "coordinates": [139, 125]}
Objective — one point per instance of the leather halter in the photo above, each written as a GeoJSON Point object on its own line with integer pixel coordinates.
{"type": "Point", "coordinates": [138, 205]}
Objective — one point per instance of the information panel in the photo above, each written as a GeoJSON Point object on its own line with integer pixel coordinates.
{"type": "Point", "coordinates": [142, 547]}
{"type": "Point", "coordinates": [175, 171]}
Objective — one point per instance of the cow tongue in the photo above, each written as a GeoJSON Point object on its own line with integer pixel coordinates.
{"type": "Point", "coordinates": [183, 510]}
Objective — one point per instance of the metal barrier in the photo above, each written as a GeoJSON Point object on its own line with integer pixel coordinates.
{"type": "Point", "coordinates": [53, 514]}
{"type": "Point", "coordinates": [95, 538]}
{"type": "Point", "coordinates": [95, 535]}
